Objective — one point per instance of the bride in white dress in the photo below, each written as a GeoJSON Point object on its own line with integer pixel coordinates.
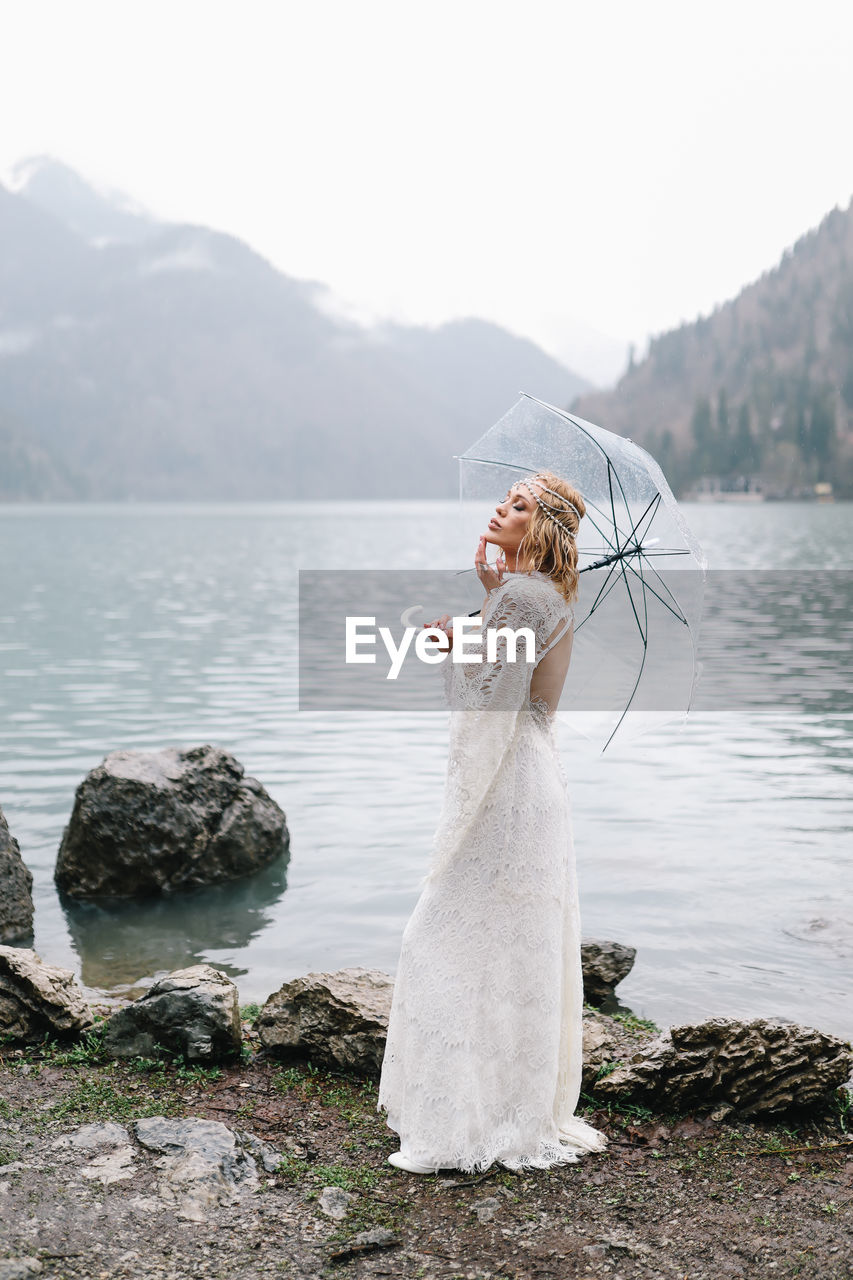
{"type": "Point", "coordinates": [484, 1050]}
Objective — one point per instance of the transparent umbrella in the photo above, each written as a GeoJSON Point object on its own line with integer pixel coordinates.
{"type": "Point", "coordinates": [642, 571]}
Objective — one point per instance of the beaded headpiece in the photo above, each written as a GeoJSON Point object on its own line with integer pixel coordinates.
{"type": "Point", "coordinates": [547, 508]}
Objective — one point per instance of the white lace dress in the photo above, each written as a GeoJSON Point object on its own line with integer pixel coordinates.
{"type": "Point", "coordinates": [483, 1057]}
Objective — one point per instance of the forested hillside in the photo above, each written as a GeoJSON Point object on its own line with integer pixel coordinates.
{"type": "Point", "coordinates": [760, 393]}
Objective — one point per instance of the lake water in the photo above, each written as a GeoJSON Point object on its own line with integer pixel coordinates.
{"type": "Point", "coordinates": [722, 850]}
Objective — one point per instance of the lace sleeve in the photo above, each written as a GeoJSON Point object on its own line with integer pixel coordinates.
{"type": "Point", "coordinates": [532, 609]}
{"type": "Point", "coordinates": [486, 698]}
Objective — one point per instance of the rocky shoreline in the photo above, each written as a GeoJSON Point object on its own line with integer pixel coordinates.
{"type": "Point", "coordinates": [177, 1135]}
{"type": "Point", "coordinates": [146, 1167]}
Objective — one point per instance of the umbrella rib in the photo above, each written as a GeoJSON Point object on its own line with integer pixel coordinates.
{"type": "Point", "coordinates": [653, 502]}
{"type": "Point", "coordinates": [636, 682]}
{"type": "Point", "coordinates": [675, 609]}
{"type": "Point", "coordinates": [647, 586]}
{"type": "Point", "coordinates": [644, 634]}
{"type": "Point", "coordinates": [648, 552]}
{"type": "Point", "coordinates": [612, 505]}
{"type": "Point", "coordinates": [611, 579]}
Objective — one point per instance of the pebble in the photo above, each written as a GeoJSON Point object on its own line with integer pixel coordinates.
{"type": "Point", "coordinates": [335, 1202]}
{"type": "Point", "coordinates": [378, 1236]}
{"type": "Point", "coordinates": [486, 1209]}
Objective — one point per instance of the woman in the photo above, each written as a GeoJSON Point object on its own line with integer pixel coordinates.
{"type": "Point", "coordinates": [483, 1056]}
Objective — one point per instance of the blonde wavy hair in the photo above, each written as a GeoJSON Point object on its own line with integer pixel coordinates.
{"type": "Point", "coordinates": [546, 546]}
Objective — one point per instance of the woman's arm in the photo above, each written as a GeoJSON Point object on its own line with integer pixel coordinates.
{"type": "Point", "coordinates": [491, 577]}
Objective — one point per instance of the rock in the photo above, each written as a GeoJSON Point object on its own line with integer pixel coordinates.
{"type": "Point", "coordinates": [340, 1020]}
{"type": "Point", "coordinates": [760, 1067]}
{"type": "Point", "coordinates": [202, 1163]}
{"type": "Point", "coordinates": [375, 1238]}
{"type": "Point", "coordinates": [19, 1268]}
{"type": "Point", "coordinates": [194, 1012]}
{"type": "Point", "coordinates": [149, 822]}
{"type": "Point", "coordinates": [618, 1242]}
{"type": "Point", "coordinates": [104, 1133]}
{"type": "Point", "coordinates": [486, 1208]}
{"type": "Point", "coordinates": [337, 1020]}
{"type": "Point", "coordinates": [114, 1165]}
{"type": "Point", "coordinates": [16, 883]}
{"type": "Point", "coordinates": [37, 999]}
{"type": "Point", "coordinates": [606, 1041]}
{"type": "Point", "coordinates": [604, 965]}
{"type": "Point", "coordinates": [268, 1158]}
{"type": "Point", "coordinates": [335, 1202]}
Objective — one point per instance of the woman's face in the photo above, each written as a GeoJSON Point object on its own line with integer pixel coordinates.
{"type": "Point", "coordinates": [509, 523]}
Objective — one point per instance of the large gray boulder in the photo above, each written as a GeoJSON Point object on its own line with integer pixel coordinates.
{"type": "Point", "coordinates": [337, 1020]}
{"type": "Point", "coordinates": [340, 1020]}
{"type": "Point", "coordinates": [604, 965]}
{"type": "Point", "coordinates": [194, 1012]}
{"type": "Point", "coordinates": [16, 883]}
{"type": "Point", "coordinates": [149, 822]}
{"type": "Point", "coordinates": [38, 999]}
{"type": "Point", "coordinates": [760, 1067]}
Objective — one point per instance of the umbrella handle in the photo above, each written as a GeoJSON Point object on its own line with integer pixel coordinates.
{"type": "Point", "coordinates": [619, 555]}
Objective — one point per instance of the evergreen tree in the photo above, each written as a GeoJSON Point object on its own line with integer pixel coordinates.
{"type": "Point", "coordinates": [745, 453]}
{"type": "Point", "coordinates": [724, 435]}
{"type": "Point", "coordinates": [821, 435]}
{"type": "Point", "coordinates": [702, 426]}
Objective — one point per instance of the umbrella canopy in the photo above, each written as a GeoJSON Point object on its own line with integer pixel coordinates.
{"type": "Point", "coordinates": [642, 571]}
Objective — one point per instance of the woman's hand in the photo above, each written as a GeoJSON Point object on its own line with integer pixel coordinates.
{"type": "Point", "coordinates": [491, 576]}
{"type": "Point", "coordinates": [440, 624]}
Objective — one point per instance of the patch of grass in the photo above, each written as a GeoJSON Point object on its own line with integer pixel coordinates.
{"type": "Point", "coordinates": [8, 1156]}
{"type": "Point", "coordinates": [618, 1110]}
{"type": "Point", "coordinates": [631, 1022]}
{"type": "Point", "coordinates": [293, 1168]}
{"type": "Point", "coordinates": [607, 1068]}
{"type": "Point", "coordinates": [89, 1051]}
{"type": "Point", "coordinates": [197, 1074]}
{"type": "Point", "coordinates": [367, 1212]}
{"type": "Point", "coordinates": [96, 1098]}
{"type": "Point", "coordinates": [146, 1066]}
{"type": "Point", "coordinates": [353, 1097]}
{"type": "Point", "coordinates": [249, 1013]}
{"type": "Point", "coordinates": [348, 1177]}
{"type": "Point", "coordinates": [288, 1078]}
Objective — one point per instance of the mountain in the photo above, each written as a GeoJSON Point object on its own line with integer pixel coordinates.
{"type": "Point", "coordinates": [760, 393]}
{"type": "Point", "coordinates": [179, 364]}
{"type": "Point", "coordinates": [98, 216]}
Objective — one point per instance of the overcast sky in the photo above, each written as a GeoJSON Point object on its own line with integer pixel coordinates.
{"type": "Point", "coordinates": [557, 167]}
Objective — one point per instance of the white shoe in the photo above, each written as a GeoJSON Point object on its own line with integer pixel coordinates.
{"type": "Point", "coordinates": [411, 1166]}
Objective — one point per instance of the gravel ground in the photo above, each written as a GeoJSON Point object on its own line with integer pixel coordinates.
{"type": "Point", "coordinates": [678, 1197]}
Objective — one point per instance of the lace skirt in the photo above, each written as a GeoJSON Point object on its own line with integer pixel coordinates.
{"type": "Point", "coordinates": [483, 1056]}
